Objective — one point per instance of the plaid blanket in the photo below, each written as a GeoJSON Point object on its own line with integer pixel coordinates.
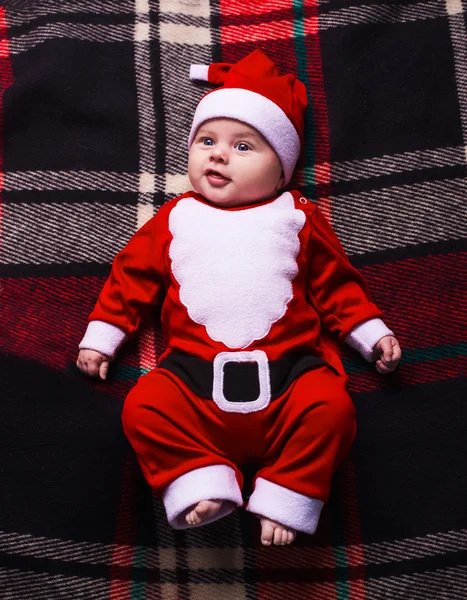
{"type": "Point", "coordinates": [95, 110]}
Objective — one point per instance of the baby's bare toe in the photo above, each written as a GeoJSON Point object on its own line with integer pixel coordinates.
{"type": "Point", "coordinates": [273, 532]}
{"type": "Point", "coordinates": [267, 534]}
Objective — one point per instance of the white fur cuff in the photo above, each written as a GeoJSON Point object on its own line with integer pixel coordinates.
{"type": "Point", "coordinates": [365, 336]}
{"type": "Point", "coordinates": [103, 337]}
{"type": "Point", "coordinates": [285, 506]}
{"type": "Point", "coordinates": [216, 482]}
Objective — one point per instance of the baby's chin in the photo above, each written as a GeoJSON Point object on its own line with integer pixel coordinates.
{"type": "Point", "coordinates": [226, 203]}
{"type": "Point", "coordinates": [232, 200]}
{"type": "Point", "coordinates": [214, 196]}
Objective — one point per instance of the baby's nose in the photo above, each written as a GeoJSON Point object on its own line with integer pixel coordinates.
{"type": "Point", "coordinates": [218, 153]}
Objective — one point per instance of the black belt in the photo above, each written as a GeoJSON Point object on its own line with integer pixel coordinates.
{"type": "Point", "coordinates": [241, 379]}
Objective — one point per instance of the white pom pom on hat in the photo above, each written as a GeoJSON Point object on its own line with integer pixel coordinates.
{"type": "Point", "coordinates": [253, 91]}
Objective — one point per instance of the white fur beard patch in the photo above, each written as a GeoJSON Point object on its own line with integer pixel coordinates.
{"type": "Point", "coordinates": [235, 267]}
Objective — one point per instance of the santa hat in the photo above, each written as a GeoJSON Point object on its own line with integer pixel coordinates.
{"type": "Point", "coordinates": [254, 91]}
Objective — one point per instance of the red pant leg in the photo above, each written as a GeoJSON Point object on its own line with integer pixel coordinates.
{"type": "Point", "coordinates": [311, 428]}
{"type": "Point", "coordinates": [176, 438]}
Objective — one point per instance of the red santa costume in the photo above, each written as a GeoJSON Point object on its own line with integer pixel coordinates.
{"type": "Point", "coordinates": [244, 293]}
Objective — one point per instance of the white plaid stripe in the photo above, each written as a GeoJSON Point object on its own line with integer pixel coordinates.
{"type": "Point", "coordinates": [447, 583]}
{"type": "Point", "coordinates": [418, 547]}
{"type": "Point", "coordinates": [381, 13]}
{"type": "Point", "coordinates": [178, 33]}
{"type": "Point", "coordinates": [19, 12]}
{"type": "Point", "coordinates": [454, 7]}
{"type": "Point", "coordinates": [64, 233]}
{"type": "Point", "coordinates": [180, 95]}
{"type": "Point", "coordinates": [182, 8]}
{"type": "Point", "coordinates": [182, 33]}
{"type": "Point", "coordinates": [397, 163]}
{"type": "Point", "coordinates": [184, 20]}
{"type": "Point", "coordinates": [401, 215]}
{"type": "Point", "coordinates": [146, 116]}
{"type": "Point", "coordinates": [73, 180]}
{"type": "Point", "coordinates": [215, 558]}
{"type": "Point", "coordinates": [106, 554]}
{"type": "Point", "coordinates": [86, 32]}
{"type": "Point", "coordinates": [458, 31]}
{"type": "Point", "coordinates": [100, 181]}
{"type": "Point", "coordinates": [148, 130]}
{"type": "Point", "coordinates": [20, 585]}
{"type": "Point", "coordinates": [217, 591]}
{"type": "Point", "coordinates": [443, 583]}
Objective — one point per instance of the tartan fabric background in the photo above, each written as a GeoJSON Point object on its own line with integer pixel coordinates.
{"type": "Point", "coordinates": [94, 117]}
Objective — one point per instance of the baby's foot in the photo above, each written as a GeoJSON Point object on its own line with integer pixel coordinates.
{"type": "Point", "coordinates": [272, 531]}
{"type": "Point", "coordinates": [204, 510]}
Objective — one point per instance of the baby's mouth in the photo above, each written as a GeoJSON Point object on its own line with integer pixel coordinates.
{"type": "Point", "coordinates": [215, 175]}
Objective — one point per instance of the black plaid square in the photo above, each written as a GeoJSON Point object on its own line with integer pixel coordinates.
{"type": "Point", "coordinates": [73, 107]}
{"type": "Point", "coordinates": [389, 90]}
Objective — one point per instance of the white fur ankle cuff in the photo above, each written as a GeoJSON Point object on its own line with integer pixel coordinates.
{"type": "Point", "coordinates": [285, 506]}
{"type": "Point", "coordinates": [216, 482]}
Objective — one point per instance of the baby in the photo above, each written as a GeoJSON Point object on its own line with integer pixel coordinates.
{"type": "Point", "coordinates": [246, 275]}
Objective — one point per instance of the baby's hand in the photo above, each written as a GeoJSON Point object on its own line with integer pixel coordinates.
{"type": "Point", "coordinates": [93, 363]}
{"type": "Point", "coordinates": [387, 354]}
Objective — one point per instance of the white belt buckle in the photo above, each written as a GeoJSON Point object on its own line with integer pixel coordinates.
{"type": "Point", "coordinates": [264, 397]}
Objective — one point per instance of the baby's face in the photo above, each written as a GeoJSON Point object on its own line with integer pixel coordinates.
{"type": "Point", "coordinates": [231, 164]}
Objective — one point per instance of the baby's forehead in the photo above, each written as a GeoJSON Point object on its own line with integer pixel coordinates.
{"type": "Point", "coordinates": [232, 126]}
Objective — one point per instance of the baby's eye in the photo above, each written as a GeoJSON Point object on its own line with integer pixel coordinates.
{"type": "Point", "coordinates": [207, 141]}
{"type": "Point", "coordinates": [243, 147]}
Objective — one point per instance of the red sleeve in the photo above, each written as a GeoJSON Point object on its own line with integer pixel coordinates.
{"type": "Point", "coordinates": [336, 289]}
{"type": "Point", "coordinates": [136, 281]}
